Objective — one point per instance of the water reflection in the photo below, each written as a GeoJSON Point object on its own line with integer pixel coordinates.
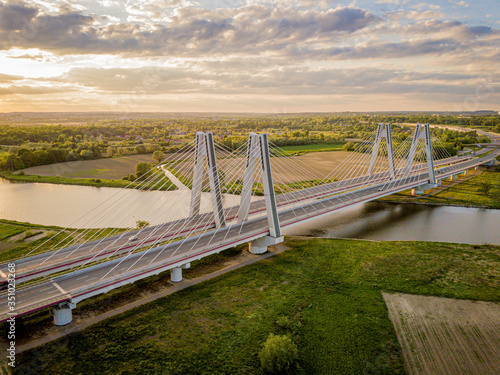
{"type": "Point", "coordinates": [76, 206]}
{"type": "Point", "coordinates": [400, 222]}
{"type": "Point", "coordinates": [63, 205]}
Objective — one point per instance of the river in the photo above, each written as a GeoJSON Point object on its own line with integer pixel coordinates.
{"type": "Point", "coordinates": [407, 222]}
{"type": "Point", "coordinates": [63, 205]}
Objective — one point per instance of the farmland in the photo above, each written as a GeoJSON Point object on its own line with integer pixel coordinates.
{"type": "Point", "coordinates": [317, 147]}
{"type": "Point", "coordinates": [109, 168]}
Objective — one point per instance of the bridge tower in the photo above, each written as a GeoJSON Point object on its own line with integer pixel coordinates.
{"type": "Point", "coordinates": [424, 134]}
{"type": "Point", "coordinates": [383, 131]}
{"type": "Point", "coordinates": [258, 148]}
{"type": "Point", "coordinates": [205, 150]}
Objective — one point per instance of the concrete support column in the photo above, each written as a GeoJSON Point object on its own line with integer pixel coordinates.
{"type": "Point", "coordinates": [259, 246]}
{"type": "Point", "coordinates": [438, 183]}
{"type": "Point", "coordinates": [419, 190]}
{"type": "Point", "coordinates": [466, 172]}
{"type": "Point", "coordinates": [176, 273]}
{"type": "Point", "coordinates": [62, 313]}
{"type": "Point", "coordinates": [453, 178]}
{"type": "Point", "coordinates": [476, 168]}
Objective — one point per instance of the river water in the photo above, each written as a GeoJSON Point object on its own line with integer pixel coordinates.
{"type": "Point", "coordinates": [407, 222]}
{"type": "Point", "coordinates": [63, 205]}
{"type": "Point", "coordinates": [93, 207]}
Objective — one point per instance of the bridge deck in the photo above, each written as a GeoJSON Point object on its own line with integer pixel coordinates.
{"type": "Point", "coordinates": [98, 279]}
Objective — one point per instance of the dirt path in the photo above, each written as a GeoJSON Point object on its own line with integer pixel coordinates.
{"type": "Point", "coordinates": [442, 336]}
{"type": "Point", "coordinates": [174, 179]}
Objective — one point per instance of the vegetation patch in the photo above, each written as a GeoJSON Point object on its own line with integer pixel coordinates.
{"type": "Point", "coordinates": [163, 184]}
{"type": "Point", "coordinates": [315, 147]}
{"type": "Point", "coordinates": [324, 294]}
{"type": "Point", "coordinates": [482, 190]}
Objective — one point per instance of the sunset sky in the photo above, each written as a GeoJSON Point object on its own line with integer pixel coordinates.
{"type": "Point", "coordinates": [249, 56]}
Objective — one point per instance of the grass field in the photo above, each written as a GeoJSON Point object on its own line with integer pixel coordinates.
{"type": "Point", "coordinates": [318, 147]}
{"type": "Point", "coordinates": [10, 249]}
{"type": "Point", "coordinates": [324, 293]}
{"type": "Point", "coordinates": [108, 168]}
{"type": "Point", "coordinates": [465, 193]}
{"type": "Point", "coordinates": [162, 184]}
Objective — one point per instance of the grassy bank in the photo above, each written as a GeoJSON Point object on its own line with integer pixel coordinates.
{"type": "Point", "coordinates": [469, 192]}
{"type": "Point", "coordinates": [15, 238]}
{"type": "Point", "coordinates": [163, 184]}
{"type": "Point", "coordinates": [324, 293]}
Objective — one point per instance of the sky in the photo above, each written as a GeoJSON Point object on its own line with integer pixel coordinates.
{"type": "Point", "coordinates": [249, 55]}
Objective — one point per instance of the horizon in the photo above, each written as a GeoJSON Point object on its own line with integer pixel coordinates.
{"type": "Point", "coordinates": [249, 56]}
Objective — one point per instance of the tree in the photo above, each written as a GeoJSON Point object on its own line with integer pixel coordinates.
{"type": "Point", "coordinates": [26, 157]}
{"type": "Point", "coordinates": [278, 355]}
{"type": "Point", "coordinates": [158, 156]}
{"type": "Point", "coordinates": [142, 170]}
{"type": "Point", "coordinates": [484, 187]}
{"type": "Point", "coordinates": [139, 224]}
{"type": "Point", "coordinates": [72, 156]}
{"type": "Point", "coordinates": [13, 163]}
{"type": "Point", "coordinates": [349, 146]}
{"type": "Point", "coordinates": [86, 154]}
{"type": "Point", "coordinates": [140, 149]}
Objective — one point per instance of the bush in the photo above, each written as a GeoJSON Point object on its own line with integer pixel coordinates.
{"type": "Point", "coordinates": [349, 146]}
{"type": "Point", "coordinates": [278, 355]}
{"type": "Point", "coordinates": [484, 187]}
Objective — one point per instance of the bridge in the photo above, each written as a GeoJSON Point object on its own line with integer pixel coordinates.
{"type": "Point", "coordinates": [246, 195]}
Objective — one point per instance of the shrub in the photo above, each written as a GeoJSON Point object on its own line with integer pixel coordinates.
{"type": "Point", "coordinates": [484, 187]}
{"type": "Point", "coordinates": [349, 146]}
{"type": "Point", "coordinates": [278, 355]}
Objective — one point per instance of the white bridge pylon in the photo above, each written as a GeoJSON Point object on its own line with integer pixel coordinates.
{"type": "Point", "coordinates": [383, 131]}
{"type": "Point", "coordinates": [425, 135]}
{"type": "Point", "coordinates": [205, 150]}
{"type": "Point", "coordinates": [257, 149]}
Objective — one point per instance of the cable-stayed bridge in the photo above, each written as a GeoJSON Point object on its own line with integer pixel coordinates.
{"type": "Point", "coordinates": [247, 195]}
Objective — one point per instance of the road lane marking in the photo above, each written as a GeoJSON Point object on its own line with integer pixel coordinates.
{"type": "Point", "coordinates": [59, 288]}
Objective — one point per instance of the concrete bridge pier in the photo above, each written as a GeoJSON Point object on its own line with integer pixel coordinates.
{"type": "Point", "coordinates": [176, 273]}
{"type": "Point", "coordinates": [62, 313]}
{"type": "Point", "coordinates": [453, 177]}
{"type": "Point", "coordinates": [419, 190]}
{"type": "Point", "coordinates": [466, 172]}
{"type": "Point", "coordinates": [259, 246]}
{"type": "Point", "coordinates": [438, 183]}
{"type": "Point", "coordinates": [491, 163]}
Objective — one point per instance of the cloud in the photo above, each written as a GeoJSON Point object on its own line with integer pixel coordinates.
{"type": "Point", "coordinates": [190, 32]}
{"type": "Point", "coordinates": [14, 16]}
{"type": "Point", "coordinates": [228, 78]}
{"type": "Point", "coordinates": [461, 3]}
{"type": "Point", "coordinates": [7, 78]}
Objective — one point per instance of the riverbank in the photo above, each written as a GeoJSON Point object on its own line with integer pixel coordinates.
{"type": "Point", "coordinates": [481, 190]}
{"type": "Point", "coordinates": [18, 239]}
{"type": "Point", "coordinates": [163, 184]}
{"type": "Point", "coordinates": [324, 293]}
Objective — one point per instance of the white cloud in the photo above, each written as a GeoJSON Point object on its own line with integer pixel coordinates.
{"type": "Point", "coordinates": [460, 3]}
